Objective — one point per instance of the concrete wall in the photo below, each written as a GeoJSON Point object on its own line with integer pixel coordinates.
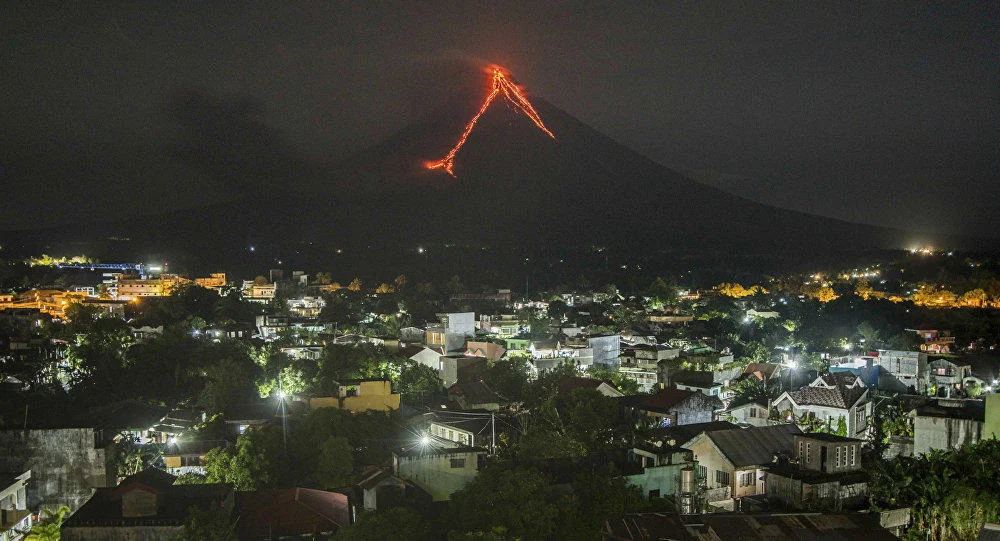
{"type": "Point", "coordinates": [65, 465]}
{"type": "Point", "coordinates": [436, 473]}
{"type": "Point", "coordinates": [943, 433]}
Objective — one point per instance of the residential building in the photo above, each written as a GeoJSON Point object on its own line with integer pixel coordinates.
{"type": "Point", "coordinates": [947, 424]}
{"type": "Point", "coordinates": [935, 341]}
{"type": "Point", "coordinates": [657, 470]}
{"type": "Point", "coordinates": [640, 364]}
{"type": "Point", "coordinates": [605, 349]}
{"type": "Point", "coordinates": [672, 406]}
{"type": "Point", "coordinates": [908, 367]}
{"type": "Point", "coordinates": [824, 473]}
{"type": "Point", "coordinates": [380, 489]}
{"type": "Point", "coordinates": [752, 413]}
{"type": "Point", "coordinates": [216, 281]}
{"type": "Point", "coordinates": [829, 400]}
{"type": "Point", "coordinates": [440, 467]}
{"type": "Point", "coordinates": [732, 462]}
{"type": "Point", "coordinates": [15, 517]}
{"type": "Point", "coordinates": [359, 396]}
{"type": "Point", "coordinates": [457, 368]}
{"type": "Point", "coordinates": [306, 306]}
{"type": "Point", "coordinates": [946, 377]}
{"type": "Point", "coordinates": [188, 456]}
{"type": "Point", "coordinates": [147, 505]}
{"type": "Point", "coordinates": [489, 350]}
{"type": "Point", "coordinates": [765, 372]}
{"type": "Point", "coordinates": [504, 325]}
{"type": "Point", "coordinates": [696, 380]}
{"type": "Point", "coordinates": [470, 430]}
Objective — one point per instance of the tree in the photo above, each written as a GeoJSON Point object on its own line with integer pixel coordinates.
{"type": "Point", "coordinates": [211, 524]}
{"type": "Point", "coordinates": [323, 278]}
{"type": "Point", "coordinates": [398, 523]}
{"type": "Point", "coordinates": [417, 380]}
{"type": "Point", "coordinates": [515, 499]}
{"type": "Point", "coordinates": [335, 463]}
{"type": "Point", "coordinates": [49, 527]}
{"type": "Point", "coordinates": [841, 426]}
{"type": "Point", "coordinates": [229, 381]}
{"type": "Point", "coordinates": [253, 463]}
{"type": "Point", "coordinates": [355, 285]}
{"type": "Point", "coordinates": [752, 389]}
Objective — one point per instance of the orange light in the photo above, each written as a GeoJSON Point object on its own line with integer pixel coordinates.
{"type": "Point", "coordinates": [500, 84]}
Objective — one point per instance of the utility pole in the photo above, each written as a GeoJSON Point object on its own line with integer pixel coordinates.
{"type": "Point", "coordinates": [493, 436]}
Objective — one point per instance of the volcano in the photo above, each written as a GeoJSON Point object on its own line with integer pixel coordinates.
{"type": "Point", "coordinates": [510, 183]}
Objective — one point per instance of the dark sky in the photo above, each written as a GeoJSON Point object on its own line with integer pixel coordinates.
{"type": "Point", "coordinates": [883, 113]}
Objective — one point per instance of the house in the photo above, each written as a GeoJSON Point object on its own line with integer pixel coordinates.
{"type": "Point", "coordinates": [825, 473]}
{"type": "Point", "coordinates": [488, 350]}
{"type": "Point", "coordinates": [175, 423]}
{"type": "Point", "coordinates": [765, 372]}
{"type": "Point", "coordinates": [696, 380]}
{"type": "Point", "coordinates": [935, 341]}
{"type": "Point", "coordinates": [672, 406]}
{"type": "Point", "coordinates": [147, 505]}
{"type": "Point", "coordinates": [829, 400]}
{"type": "Point", "coordinates": [676, 435]}
{"type": "Point", "coordinates": [657, 470]}
{"type": "Point", "coordinates": [640, 364]}
{"type": "Point", "coordinates": [428, 357]}
{"type": "Point", "coordinates": [291, 513]}
{"type": "Point", "coordinates": [567, 384]}
{"type": "Point", "coordinates": [438, 466]}
{"type": "Point", "coordinates": [732, 462]}
{"type": "Point", "coordinates": [749, 413]}
{"type": "Point", "coordinates": [15, 518]}
{"type": "Point", "coordinates": [908, 367]}
{"type": "Point", "coordinates": [472, 431]}
{"type": "Point", "coordinates": [475, 395]}
{"type": "Point", "coordinates": [773, 527]}
{"type": "Point", "coordinates": [947, 377]}
{"type": "Point", "coordinates": [947, 424]}
{"type": "Point", "coordinates": [605, 349]}
{"type": "Point", "coordinates": [458, 368]}
{"type": "Point", "coordinates": [380, 489]}
{"type": "Point", "coordinates": [183, 457]}
{"type": "Point", "coordinates": [240, 417]}
{"type": "Point", "coordinates": [359, 396]}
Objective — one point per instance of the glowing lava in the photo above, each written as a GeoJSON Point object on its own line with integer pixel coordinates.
{"type": "Point", "coordinates": [501, 85]}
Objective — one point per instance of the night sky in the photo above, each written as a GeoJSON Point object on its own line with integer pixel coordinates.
{"type": "Point", "coordinates": [871, 112]}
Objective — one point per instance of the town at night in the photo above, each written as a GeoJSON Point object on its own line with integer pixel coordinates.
{"type": "Point", "coordinates": [499, 271]}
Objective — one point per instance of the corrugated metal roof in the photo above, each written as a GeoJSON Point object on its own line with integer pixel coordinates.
{"type": "Point", "coordinates": [755, 445]}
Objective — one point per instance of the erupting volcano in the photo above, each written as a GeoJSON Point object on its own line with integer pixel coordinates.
{"type": "Point", "coordinates": [501, 84]}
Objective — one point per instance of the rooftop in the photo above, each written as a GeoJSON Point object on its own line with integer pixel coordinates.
{"type": "Point", "coordinates": [754, 446]}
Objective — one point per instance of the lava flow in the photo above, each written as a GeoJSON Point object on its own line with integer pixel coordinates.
{"type": "Point", "coordinates": [501, 85]}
